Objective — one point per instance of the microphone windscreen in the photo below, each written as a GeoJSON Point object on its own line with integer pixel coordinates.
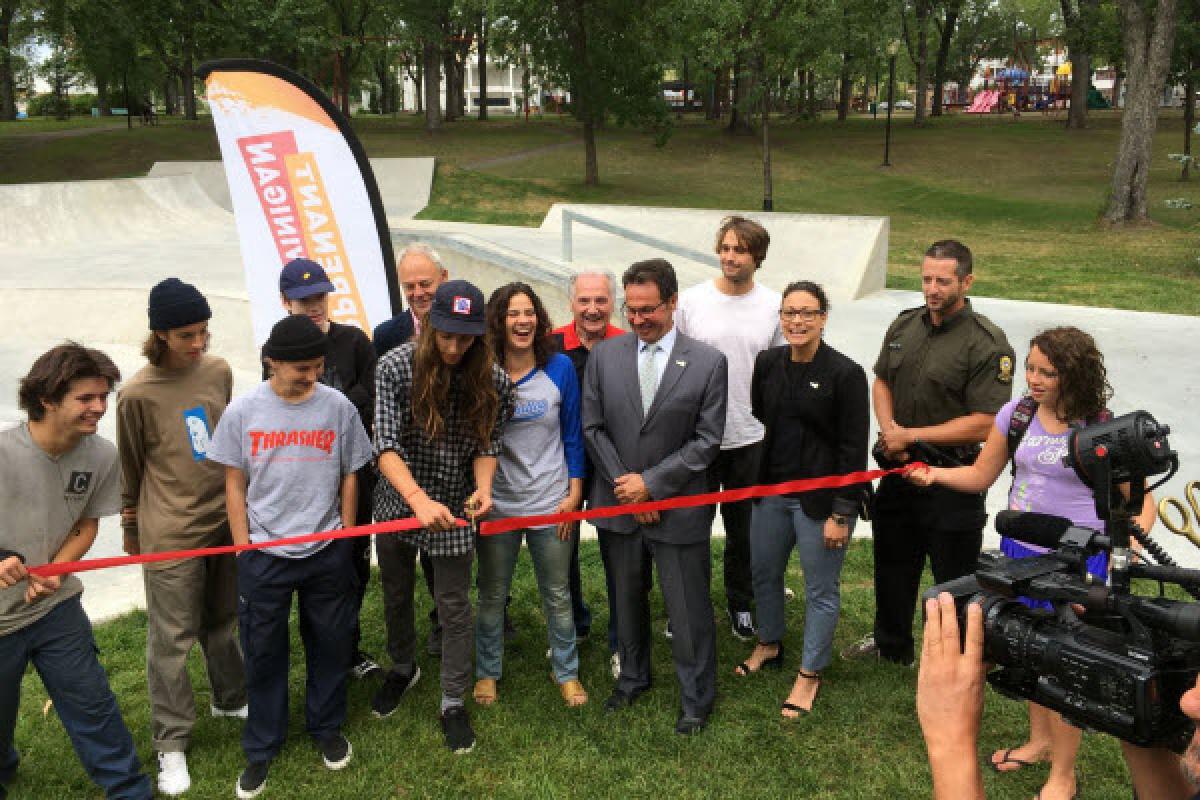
{"type": "Point", "coordinates": [1043, 530]}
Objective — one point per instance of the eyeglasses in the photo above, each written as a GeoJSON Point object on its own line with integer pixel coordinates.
{"type": "Point", "coordinates": [641, 312]}
{"type": "Point", "coordinates": [803, 314]}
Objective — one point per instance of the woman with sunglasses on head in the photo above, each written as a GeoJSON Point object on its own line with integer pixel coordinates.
{"type": "Point", "coordinates": [812, 401]}
{"type": "Point", "coordinates": [540, 471]}
{"type": "Point", "coordinates": [1068, 384]}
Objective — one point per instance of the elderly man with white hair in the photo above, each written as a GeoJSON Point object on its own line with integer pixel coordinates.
{"type": "Point", "coordinates": [593, 295]}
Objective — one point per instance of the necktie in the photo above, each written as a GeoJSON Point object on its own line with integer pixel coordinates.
{"type": "Point", "coordinates": [648, 377]}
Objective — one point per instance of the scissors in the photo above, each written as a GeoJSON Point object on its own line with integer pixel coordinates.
{"type": "Point", "coordinates": [1187, 525]}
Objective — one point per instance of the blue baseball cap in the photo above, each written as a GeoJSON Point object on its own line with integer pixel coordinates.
{"type": "Point", "coordinates": [458, 308]}
{"type": "Point", "coordinates": [303, 278]}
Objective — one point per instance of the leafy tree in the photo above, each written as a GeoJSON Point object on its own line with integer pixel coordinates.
{"type": "Point", "coordinates": [607, 55]}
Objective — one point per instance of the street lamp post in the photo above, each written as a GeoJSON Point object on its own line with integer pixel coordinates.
{"type": "Point", "coordinates": [892, 49]}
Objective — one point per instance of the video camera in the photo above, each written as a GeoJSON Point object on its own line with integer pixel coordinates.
{"type": "Point", "coordinates": [1124, 665]}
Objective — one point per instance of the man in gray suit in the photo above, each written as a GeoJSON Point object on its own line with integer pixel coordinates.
{"type": "Point", "coordinates": [653, 418]}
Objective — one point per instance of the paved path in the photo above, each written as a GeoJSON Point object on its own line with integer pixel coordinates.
{"type": "Point", "coordinates": [522, 155]}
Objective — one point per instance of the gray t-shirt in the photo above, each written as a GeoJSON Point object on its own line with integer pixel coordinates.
{"type": "Point", "coordinates": [294, 456]}
{"type": "Point", "coordinates": [43, 497]}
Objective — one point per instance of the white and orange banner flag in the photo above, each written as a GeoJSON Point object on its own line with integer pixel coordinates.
{"type": "Point", "coordinates": [301, 186]}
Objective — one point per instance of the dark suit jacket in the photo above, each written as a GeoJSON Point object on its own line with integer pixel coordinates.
{"type": "Point", "coordinates": [393, 332]}
{"type": "Point", "coordinates": [672, 447]}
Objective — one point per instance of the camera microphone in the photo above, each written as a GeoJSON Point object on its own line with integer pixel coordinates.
{"type": "Point", "coordinates": [1031, 527]}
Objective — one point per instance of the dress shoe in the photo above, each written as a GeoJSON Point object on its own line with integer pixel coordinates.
{"type": "Point", "coordinates": [620, 700]}
{"type": "Point", "coordinates": [687, 725]}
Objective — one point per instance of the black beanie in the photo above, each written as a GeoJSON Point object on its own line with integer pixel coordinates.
{"type": "Point", "coordinates": [175, 304]}
{"type": "Point", "coordinates": [296, 338]}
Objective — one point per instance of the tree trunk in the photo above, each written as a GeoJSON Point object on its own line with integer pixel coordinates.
{"type": "Point", "coordinates": [1189, 120]}
{"type": "Point", "coordinates": [1118, 82]}
{"type": "Point", "coordinates": [768, 185]}
{"type": "Point", "coordinates": [189, 76]}
{"type": "Point", "coordinates": [482, 68]}
{"type": "Point", "coordinates": [810, 101]}
{"type": "Point", "coordinates": [1078, 22]}
{"type": "Point", "coordinates": [739, 117]}
{"type": "Point", "coordinates": [720, 90]}
{"type": "Point", "coordinates": [591, 168]}
{"type": "Point", "coordinates": [448, 76]}
{"type": "Point", "coordinates": [943, 53]}
{"type": "Point", "coordinates": [845, 88]}
{"type": "Point", "coordinates": [922, 61]}
{"type": "Point", "coordinates": [433, 103]}
{"type": "Point", "coordinates": [801, 91]}
{"type": "Point", "coordinates": [102, 104]}
{"type": "Point", "coordinates": [1148, 35]}
{"type": "Point", "coordinates": [8, 89]}
{"type": "Point", "coordinates": [419, 85]}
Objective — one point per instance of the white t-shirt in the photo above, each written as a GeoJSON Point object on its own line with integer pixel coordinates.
{"type": "Point", "coordinates": [741, 327]}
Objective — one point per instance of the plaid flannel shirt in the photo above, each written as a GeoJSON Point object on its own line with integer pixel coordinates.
{"type": "Point", "coordinates": [442, 467]}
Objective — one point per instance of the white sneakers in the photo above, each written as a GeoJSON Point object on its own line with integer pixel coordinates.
{"type": "Point", "coordinates": [173, 777]}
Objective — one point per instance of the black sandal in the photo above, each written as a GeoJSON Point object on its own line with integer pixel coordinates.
{"type": "Point", "coordinates": [802, 712]}
{"type": "Point", "coordinates": [774, 662]}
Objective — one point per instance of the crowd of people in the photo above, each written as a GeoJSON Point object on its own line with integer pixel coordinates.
{"type": "Point", "coordinates": [461, 407]}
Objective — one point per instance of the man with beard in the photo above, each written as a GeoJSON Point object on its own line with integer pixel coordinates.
{"type": "Point", "coordinates": [592, 294]}
{"type": "Point", "coordinates": [950, 708]}
{"type": "Point", "coordinates": [741, 319]}
{"type": "Point", "coordinates": [942, 374]}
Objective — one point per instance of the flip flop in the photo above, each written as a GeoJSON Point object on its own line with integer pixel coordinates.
{"type": "Point", "coordinates": [573, 693]}
{"type": "Point", "coordinates": [800, 712]}
{"type": "Point", "coordinates": [1008, 759]}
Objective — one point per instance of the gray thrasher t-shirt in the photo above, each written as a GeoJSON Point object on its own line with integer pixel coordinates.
{"type": "Point", "coordinates": [43, 497]}
{"type": "Point", "coordinates": [294, 456]}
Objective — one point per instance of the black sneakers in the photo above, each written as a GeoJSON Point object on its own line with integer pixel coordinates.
{"type": "Point", "coordinates": [336, 751]}
{"type": "Point", "coordinates": [253, 780]}
{"type": "Point", "coordinates": [456, 726]}
{"type": "Point", "coordinates": [395, 685]}
{"type": "Point", "coordinates": [364, 666]}
{"type": "Point", "coordinates": [742, 625]}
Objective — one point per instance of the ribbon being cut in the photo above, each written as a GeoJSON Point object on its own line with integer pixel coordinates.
{"type": "Point", "coordinates": [489, 527]}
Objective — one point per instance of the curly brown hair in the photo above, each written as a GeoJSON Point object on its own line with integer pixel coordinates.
{"type": "Point", "coordinates": [497, 311]}
{"type": "Point", "coordinates": [1083, 387]}
{"type": "Point", "coordinates": [478, 399]}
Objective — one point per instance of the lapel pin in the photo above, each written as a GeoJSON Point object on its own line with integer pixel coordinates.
{"type": "Point", "coordinates": [814, 384]}
{"type": "Point", "coordinates": [681, 363]}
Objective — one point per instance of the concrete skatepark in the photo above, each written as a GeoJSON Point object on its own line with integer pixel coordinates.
{"type": "Point", "coordinates": [80, 258]}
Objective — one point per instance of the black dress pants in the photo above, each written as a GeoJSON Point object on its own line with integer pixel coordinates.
{"type": "Point", "coordinates": [911, 525]}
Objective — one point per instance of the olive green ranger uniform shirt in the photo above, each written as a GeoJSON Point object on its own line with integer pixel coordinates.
{"type": "Point", "coordinates": [936, 374]}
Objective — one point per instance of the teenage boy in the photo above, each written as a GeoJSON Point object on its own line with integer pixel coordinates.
{"type": "Point", "coordinates": [57, 478]}
{"type": "Point", "coordinates": [290, 450]}
{"type": "Point", "coordinates": [304, 289]}
{"type": "Point", "coordinates": [173, 498]}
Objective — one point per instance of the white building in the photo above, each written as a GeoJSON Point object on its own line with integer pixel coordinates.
{"type": "Point", "coordinates": [504, 87]}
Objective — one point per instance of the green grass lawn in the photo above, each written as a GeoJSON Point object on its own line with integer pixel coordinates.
{"type": "Point", "coordinates": [862, 741]}
{"type": "Point", "coordinates": [1025, 195]}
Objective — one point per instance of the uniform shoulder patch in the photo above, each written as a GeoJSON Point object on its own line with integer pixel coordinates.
{"type": "Point", "coordinates": [1005, 371]}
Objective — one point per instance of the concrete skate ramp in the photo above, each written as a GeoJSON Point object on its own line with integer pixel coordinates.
{"type": "Point", "coordinates": [847, 255]}
{"type": "Point", "coordinates": [99, 214]}
{"type": "Point", "coordinates": [404, 183]}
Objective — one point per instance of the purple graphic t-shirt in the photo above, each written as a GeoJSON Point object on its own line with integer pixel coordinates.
{"type": "Point", "coordinates": [1043, 483]}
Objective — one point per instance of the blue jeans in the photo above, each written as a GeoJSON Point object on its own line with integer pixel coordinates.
{"type": "Point", "coordinates": [551, 564]}
{"type": "Point", "coordinates": [778, 524]}
{"type": "Point", "coordinates": [63, 651]}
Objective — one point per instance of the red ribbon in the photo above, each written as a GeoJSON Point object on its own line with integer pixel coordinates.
{"type": "Point", "coordinates": [488, 527]}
